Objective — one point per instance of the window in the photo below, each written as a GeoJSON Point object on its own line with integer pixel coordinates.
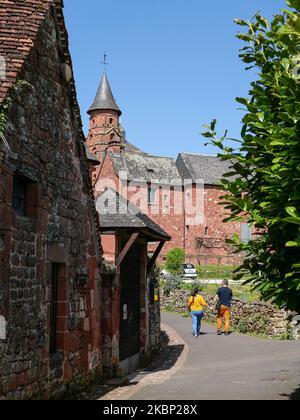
{"type": "Point", "coordinates": [151, 195]}
{"type": "Point", "coordinates": [95, 152]}
{"type": "Point", "coordinates": [19, 196]}
{"type": "Point", "coordinates": [58, 308]}
{"type": "Point", "coordinates": [111, 121]}
{"type": "Point", "coordinates": [246, 232]}
{"type": "Point", "coordinates": [25, 196]}
{"type": "Point", "coordinates": [150, 171]}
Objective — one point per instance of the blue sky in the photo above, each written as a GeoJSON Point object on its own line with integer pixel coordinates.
{"type": "Point", "coordinates": [174, 65]}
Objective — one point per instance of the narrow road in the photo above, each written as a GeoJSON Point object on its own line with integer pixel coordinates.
{"type": "Point", "coordinates": [228, 368]}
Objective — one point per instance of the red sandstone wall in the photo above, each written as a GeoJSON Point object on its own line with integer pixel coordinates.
{"type": "Point", "coordinates": [204, 242]}
{"type": "Point", "coordinates": [105, 173]}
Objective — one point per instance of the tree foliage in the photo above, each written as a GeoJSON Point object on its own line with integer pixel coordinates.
{"type": "Point", "coordinates": [175, 259]}
{"type": "Point", "coordinates": [263, 185]}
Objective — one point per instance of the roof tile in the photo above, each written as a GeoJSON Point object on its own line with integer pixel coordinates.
{"type": "Point", "coordinates": [19, 24]}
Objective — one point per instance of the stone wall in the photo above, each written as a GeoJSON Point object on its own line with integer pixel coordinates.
{"type": "Point", "coordinates": [58, 228]}
{"type": "Point", "coordinates": [206, 241]}
{"type": "Point", "coordinates": [258, 317]}
{"type": "Point", "coordinates": [154, 312]}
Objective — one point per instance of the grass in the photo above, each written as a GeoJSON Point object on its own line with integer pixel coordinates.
{"type": "Point", "coordinates": [216, 271]}
{"type": "Point", "coordinates": [212, 271]}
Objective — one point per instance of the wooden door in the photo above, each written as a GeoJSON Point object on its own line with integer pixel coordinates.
{"type": "Point", "coordinates": [130, 309]}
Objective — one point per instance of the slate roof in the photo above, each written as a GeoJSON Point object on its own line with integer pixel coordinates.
{"type": "Point", "coordinates": [130, 148]}
{"type": "Point", "coordinates": [201, 167]}
{"type": "Point", "coordinates": [147, 168]}
{"type": "Point", "coordinates": [117, 213]}
{"type": "Point", "coordinates": [104, 98]}
{"type": "Point", "coordinates": [91, 157]}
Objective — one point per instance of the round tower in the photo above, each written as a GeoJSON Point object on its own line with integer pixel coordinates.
{"type": "Point", "coordinates": [105, 133]}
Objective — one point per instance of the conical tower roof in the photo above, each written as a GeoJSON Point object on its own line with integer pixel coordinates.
{"type": "Point", "coordinates": [104, 98]}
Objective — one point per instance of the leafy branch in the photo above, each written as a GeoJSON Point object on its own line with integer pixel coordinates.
{"type": "Point", "coordinates": [263, 185]}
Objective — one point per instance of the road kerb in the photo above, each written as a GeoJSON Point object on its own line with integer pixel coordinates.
{"type": "Point", "coordinates": [158, 376]}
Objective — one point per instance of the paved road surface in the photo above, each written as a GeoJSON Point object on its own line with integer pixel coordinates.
{"type": "Point", "coordinates": [229, 368]}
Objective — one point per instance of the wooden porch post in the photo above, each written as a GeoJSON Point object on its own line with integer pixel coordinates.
{"type": "Point", "coordinates": [155, 255]}
{"type": "Point", "coordinates": [126, 248]}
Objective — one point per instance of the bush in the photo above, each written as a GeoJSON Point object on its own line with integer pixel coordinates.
{"type": "Point", "coordinates": [173, 283]}
{"type": "Point", "coordinates": [174, 261]}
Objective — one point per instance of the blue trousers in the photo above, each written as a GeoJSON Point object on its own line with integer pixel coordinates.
{"type": "Point", "coordinates": [196, 319]}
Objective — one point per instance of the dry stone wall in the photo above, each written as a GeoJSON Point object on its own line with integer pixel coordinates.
{"type": "Point", "coordinates": [257, 317]}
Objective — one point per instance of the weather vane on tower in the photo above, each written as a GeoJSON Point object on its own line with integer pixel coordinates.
{"type": "Point", "coordinates": [104, 62]}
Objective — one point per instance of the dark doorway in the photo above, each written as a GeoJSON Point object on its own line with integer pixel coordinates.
{"type": "Point", "coordinates": [130, 304]}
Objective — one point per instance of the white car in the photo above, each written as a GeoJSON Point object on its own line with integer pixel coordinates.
{"type": "Point", "coordinates": [165, 274]}
{"type": "Point", "coordinates": [189, 271]}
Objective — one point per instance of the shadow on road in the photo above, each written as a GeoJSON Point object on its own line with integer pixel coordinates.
{"type": "Point", "coordinates": [295, 396]}
{"type": "Point", "coordinates": [165, 359]}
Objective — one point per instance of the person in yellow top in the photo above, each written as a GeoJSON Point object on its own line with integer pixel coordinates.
{"type": "Point", "coordinates": [197, 305]}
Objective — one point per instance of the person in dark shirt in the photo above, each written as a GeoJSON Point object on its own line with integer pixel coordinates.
{"type": "Point", "coordinates": [223, 301]}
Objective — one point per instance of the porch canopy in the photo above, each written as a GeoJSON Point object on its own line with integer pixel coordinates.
{"type": "Point", "coordinates": [116, 215]}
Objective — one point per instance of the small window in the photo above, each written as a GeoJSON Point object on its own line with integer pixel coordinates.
{"type": "Point", "coordinates": [246, 232]}
{"type": "Point", "coordinates": [19, 196]}
{"type": "Point", "coordinates": [151, 195]}
{"type": "Point", "coordinates": [150, 171]}
{"type": "Point", "coordinates": [111, 121]}
{"type": "Point", "coordinates": [25, 196]}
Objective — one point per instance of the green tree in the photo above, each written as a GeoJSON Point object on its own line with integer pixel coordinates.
{"type": "Point", "coordinates": [263, 185]}
{"type": "Point", "coordinates": [174, 261]}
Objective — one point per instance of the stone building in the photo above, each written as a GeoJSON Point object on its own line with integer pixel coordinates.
{"type": "Point", "coordinates": [181, 195]}
{"type": "Point", "coordinates": [50, 254]}
{"type": "Point", "coordinates": [131, 307]}
{"type": "Point", "coordinates": [66, 314]}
